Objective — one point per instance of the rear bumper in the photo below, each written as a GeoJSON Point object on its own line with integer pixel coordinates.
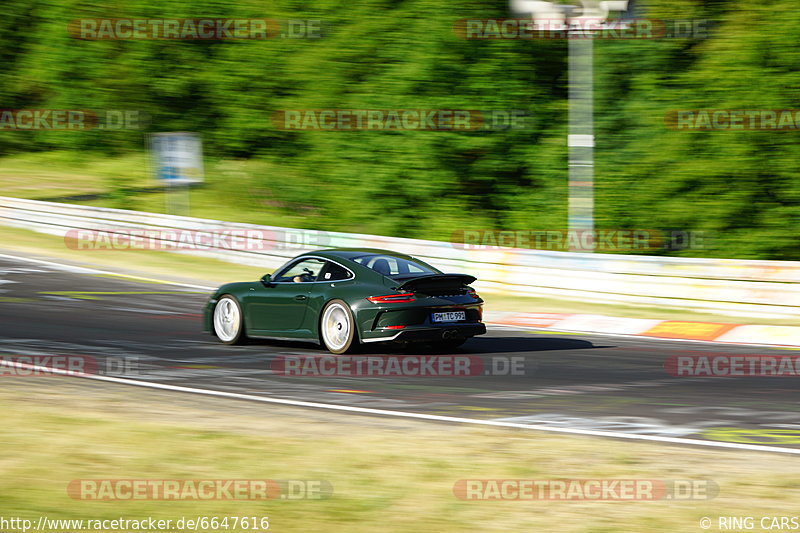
{"type": "Point", "coordinates": [421, 334]}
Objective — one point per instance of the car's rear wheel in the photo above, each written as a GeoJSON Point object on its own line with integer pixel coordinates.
{"type": "Point", "coordinates": [337, 327]}
{"type": "Point", "coordinates": [229, 321]}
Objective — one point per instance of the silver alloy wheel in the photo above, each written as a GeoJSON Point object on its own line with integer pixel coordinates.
{"type": "Point", "coordinates": [336, 327]}
{"type": "Point", "coordinates": [227, 319]}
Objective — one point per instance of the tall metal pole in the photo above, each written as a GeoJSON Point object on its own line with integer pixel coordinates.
{"type": "Point", "coordinates": [580, 140]}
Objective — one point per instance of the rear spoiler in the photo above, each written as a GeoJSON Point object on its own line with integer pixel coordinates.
{"type": "Point", "coordinates": [437, 281]}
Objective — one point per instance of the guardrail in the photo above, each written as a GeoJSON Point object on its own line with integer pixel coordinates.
{"type": "Point", "coordinates": [740, 287]}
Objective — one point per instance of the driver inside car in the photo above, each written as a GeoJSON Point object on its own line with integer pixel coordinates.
{"type": "Point", "coordinates": [306, 276]}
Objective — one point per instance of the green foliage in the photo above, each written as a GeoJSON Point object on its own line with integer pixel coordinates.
{"type": "Point", "coordinates": [740, 187]}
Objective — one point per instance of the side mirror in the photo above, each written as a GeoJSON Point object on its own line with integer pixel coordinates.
{"type": "Point", "coordinates": [266, 279]}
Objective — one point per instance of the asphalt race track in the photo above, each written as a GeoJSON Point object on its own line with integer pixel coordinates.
{"type": "Point", "coordinates": [152, 332]}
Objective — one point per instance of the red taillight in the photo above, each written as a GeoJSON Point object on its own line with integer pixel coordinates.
{"type": "Point", "coordinates": [395, 327]}
{"type": "Point", "coordinates": [472, 293]}
{"type": "Point", "coordinates": [392, 298]}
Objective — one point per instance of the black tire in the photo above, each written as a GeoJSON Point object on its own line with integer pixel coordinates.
{"type": "Point", "coordinates": [337, 327]}
{"type": "Point", "coordinates": [226, 306]}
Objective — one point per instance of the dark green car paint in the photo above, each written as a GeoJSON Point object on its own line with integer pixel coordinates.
{"type": "Point", "coordinates": [292, 310]}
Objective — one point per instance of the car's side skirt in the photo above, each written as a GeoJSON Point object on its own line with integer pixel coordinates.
{"type": "Point", "coordinates": [275, 338]}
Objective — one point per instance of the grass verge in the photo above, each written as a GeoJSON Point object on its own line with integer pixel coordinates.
{"type": "Point", "coordinates": [233, 190]}
{"type": "Point", "coordinates": [66, 173]}
{"type": "Point", "coordinates": [387, 475]}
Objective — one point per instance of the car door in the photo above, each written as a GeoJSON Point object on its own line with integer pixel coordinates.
{"type": "Point", "coordinates": [331, 276]}
{"type": "Point", "coordinates": [278, 308]}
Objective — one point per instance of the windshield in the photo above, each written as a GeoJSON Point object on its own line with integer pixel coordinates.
{"type": "Point", "coordinates": [395, 267]}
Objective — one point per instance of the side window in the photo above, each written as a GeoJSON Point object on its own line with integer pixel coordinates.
{"type": "Point", "coordinates": [301, 271]}
{"type": "Point", "coordinates": [383, 264]}
{"type": "Point", "coordinates": [392, 266]}
{"type": "Point", "coordinates": [333, 272]}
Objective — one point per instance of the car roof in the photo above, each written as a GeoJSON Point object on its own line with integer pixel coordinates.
{"type": "Point", "coordinates": [350, 253]}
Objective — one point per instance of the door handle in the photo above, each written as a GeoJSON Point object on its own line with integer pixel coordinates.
{"type": "Point", "coordinates": [300, 297]}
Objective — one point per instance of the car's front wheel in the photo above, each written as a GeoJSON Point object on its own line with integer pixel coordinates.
{"type": "Point", "coordinates": [337, 327]}
{"type": "Point", "coordinates": [229, 321]}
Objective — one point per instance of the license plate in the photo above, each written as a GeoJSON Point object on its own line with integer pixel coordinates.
{"type": "Point", "coordinates": [449, 316]}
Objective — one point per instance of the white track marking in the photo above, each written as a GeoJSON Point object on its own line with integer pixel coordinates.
{"type": "Point", "coordinates": [404, 414]}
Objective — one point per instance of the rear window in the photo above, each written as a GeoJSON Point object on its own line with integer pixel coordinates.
{"type": "Point", "coordinates": [389, 265]}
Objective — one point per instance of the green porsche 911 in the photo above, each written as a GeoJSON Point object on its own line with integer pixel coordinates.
{"type": "Point", "coordinates": [342, 297]}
